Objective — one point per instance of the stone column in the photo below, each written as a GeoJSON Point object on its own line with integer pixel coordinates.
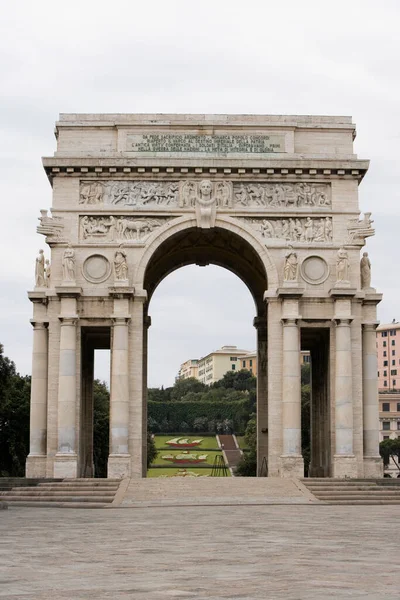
{"type": "Point", "coordinates": [292, 460]}
{"type": "Point", "coordinates": [66, 458]}
{"type": "Point", "coordinates": [138, 424]}
{"type": "Point", "coordinates": [36, 461]}
{"type": "Point", "coordinates": [344, 462]}
{"type": "Point", "coordinates": [372, 461]}
{"type": "Point", "coordinates": [119, 459]}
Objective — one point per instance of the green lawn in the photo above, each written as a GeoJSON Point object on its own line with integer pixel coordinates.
{"type": "Point", "coordinates": [207, 443]}
{"type": "Point", "coordinates": [242, 442]}
{"type": "Point", "coordinates": [160, 461]}
{"type": "Point", "coordinates": [172, 472]}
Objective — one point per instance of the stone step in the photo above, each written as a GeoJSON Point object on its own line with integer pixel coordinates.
{"type": "Point", "coordinates": [40, 493]}
{"type": "Point", "coordinates": [365, 502]}
{"type": "Point", "coordinates": [355, 494]}
{"type": "Point", "coordinates": [51, 499]}
{"type": "Point", "coordinates": [44, 504]}
{"type": "Point", "coordinates": [365, 488]}
{"type": "Point", "coordinates": [73, 487]}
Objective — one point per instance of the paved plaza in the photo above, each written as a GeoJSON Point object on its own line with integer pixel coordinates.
{"type": "Point", "coordinates": [241, 552]}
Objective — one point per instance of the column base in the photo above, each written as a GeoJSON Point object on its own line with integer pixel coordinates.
{"type": "Point", "coordinates": [344, 465]}
{"type": "Point", "coordinates": [373, 467]}
{"type": "Point", "coordinates": [292, 466]}
{"type": "Point", "coordinates": [119, 466]}
{"type": "Point", "coordinates": [66, 466]}
{"type": "Point", "coordinates": [35, 467]}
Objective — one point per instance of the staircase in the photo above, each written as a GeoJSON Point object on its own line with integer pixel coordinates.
{"type": "Point", "coordinates": [214, 491]}
{"type": "Point", "coordinates": [71, 493]}
{"type": "Point", "coordinates": [354, 491]}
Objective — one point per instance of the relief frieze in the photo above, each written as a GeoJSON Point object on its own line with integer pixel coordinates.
{"type": "Point", "coordinates": [134, 194]}
{"type": "Point", "coordinates": [306, 230]}
{"type": "Point", "coordinates": [282, 195]}
{"type": "Point", "coordinates": [117, 229]}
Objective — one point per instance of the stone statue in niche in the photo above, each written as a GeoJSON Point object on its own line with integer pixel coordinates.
{"type": "Point", "coordinates": [120, 265]}
{"type": "Point", "coordinates": [47, 273]}
{"type": "Point", "coordinates": [291, 265]}
{"type": "Point", "coordinates": [39, 270]}
{"type": "Point", "coordinates": [342, 267]}
{"type": "Point", "coordinates": [68, 264]}
{"type": "Point", "coordinates": [365, 269]}
{"type": "Point", "coordinates": [205, 205]}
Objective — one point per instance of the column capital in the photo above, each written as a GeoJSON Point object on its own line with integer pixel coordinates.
{"type": "Point", "coordinates": [39, 324]}
{"type": "Point", "coordinates": [371, 326]}
{"type": "Point", "coordinates": [289, 321]}
{"type": "Point", "coordinates": [121, 292]}
{"type": "Point", "coordinates": [38, 298]}
{"type": "Point", "coordinates": [71, 321]}
{"type": "Point", "coordinates": [118, 321]}
{"type": "Point", "coordinates": [342, 321]}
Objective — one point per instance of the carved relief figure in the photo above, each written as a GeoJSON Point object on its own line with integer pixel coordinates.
{"type": "Point", "coordinates": [130, 193]}
{"type": "Point", "coordinates": [286, 195]}
{"type": "Point", "coordinates": [188, 194]}
{"type": "Point", "coordinates": [205, 205]}
{"type": "Point", "coordinates": [68, 264]}
{"type": "Point", "coordinates": [365, 268]}
{"type": "Point", "coordinates": [47, 272]}
{"type": "Point", "coordinates": [91, 193]}
{"type": "Point", "coordinates": [39, 270]}
{"type": "Point", "coordinates": [120, 265]}
{"type": "Point", "coordinates": [342, 266]}
{"type": "Point", "coordinates": [223, 194]}
{"type": "Point", "coordinates": [291, 265]}
{"type": "Point", "coordinates": [110, 228]}
{"type": "Point", "coordinates": [305, 230]}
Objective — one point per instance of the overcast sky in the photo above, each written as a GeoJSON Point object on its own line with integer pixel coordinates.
{"type": "Point", "coordinates": [309, 57]}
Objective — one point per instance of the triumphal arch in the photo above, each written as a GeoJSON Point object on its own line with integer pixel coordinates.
{"type": "Point", "coordinates": [272, 198]}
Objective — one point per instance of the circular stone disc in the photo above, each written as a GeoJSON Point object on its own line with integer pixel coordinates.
{"type": "Point", "coordinates": [96, 268]}
{"type": "Point", "coordinates": [314, 269]}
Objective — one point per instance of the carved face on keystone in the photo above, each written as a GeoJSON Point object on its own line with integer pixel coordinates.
{"type": "Point", "coordinates": [205, 187]}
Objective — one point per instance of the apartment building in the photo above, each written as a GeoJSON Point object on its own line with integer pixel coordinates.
{"type": "Point", "coordinates": [388, 349]}
{"type": "Point", "coordinates": [214, 366]}
{"type": "Point", "coordinates": [188, 369]}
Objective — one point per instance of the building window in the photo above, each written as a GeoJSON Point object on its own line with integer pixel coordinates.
{"type": "Point", "coordinates": [251, 363]}
{"type": "Point", "coordinates": [393, 352]}
{"type": "Point", "coordinates": [398, 407]}
{"type": "Point", "coordinates": [386, 425]}
{"type": "Point", "coordinates": [393, 342]}
{"type": "Point", "coordinates": [393, 363]}
{"type": "Point", "coordinates": [233, 358]}
{"type": "Point", "coordinates": [251, 370]}
{"type": "Point", "coordinates": [394, 383]}
{"type": "Point", "coordinates": [398, 425]}
{"type": "Point", "coordinates": [385, 383]}
{"type": "Point", "coordinates": [385, 437]}
{"type": "Point", "coordinates": [384, 333]}
{"type": "Point", "coordinates": [393, 372]}
{"type": "Point", "coordinates": [385, 363]}
{"type": "Point", "coordinates": [384, 353]}
{"type": "Point", "coordinates": [393, 332]}
{"type": "Point", "coordinates": [244, 364]}
{"type": "Point", "coordinates": [386, 406]}
{"type": "Point", "coordinates": [385, 373]}
{"type": "Point", "coordinates": [384, 344]}
{"type": "Point", "coordinates": [233, 367]}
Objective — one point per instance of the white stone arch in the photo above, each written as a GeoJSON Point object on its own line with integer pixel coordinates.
{"type": "Point", "coordinates": [222, 222]}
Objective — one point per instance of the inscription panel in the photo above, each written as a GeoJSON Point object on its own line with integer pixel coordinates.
{"type": "Point", "coordinates": [187, 143]}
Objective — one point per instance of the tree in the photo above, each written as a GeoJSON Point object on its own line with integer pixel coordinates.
{"type": "Point", "coordinates": [237, 380]}
{"type": "Point", "coordinates": [151, 449]}
{"type": "Point", "coordinates": [14, 418]}
{"type": "Point", "coordinates": [101, 427]}
{"type": "Point", "coordinates": [184, 386]}
{"type": "Point", "coordinates": [390, 449]}
{"type": "Point", "coordinates": [247, 466]}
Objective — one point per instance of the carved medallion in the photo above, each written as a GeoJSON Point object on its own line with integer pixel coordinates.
{"type": "Point", "coordinates": [96, 268]}
{"type": "Point", "coordinates": [314, 270]}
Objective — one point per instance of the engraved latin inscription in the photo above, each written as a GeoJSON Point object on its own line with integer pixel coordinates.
{"type": "Point", "coordinates": [205, 144]}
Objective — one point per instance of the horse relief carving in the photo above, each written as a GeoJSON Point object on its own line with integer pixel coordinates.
{"type": "Point", "coordinates": [135, 194]}
{"type": "Point", "coordinates": [282, 195]}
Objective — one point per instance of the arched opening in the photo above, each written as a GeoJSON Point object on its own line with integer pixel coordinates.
{"type": "Point", "coordinates": [223, 248]}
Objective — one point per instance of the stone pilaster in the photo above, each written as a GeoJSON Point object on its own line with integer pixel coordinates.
{"type": "Point", "coordinates": [36, 461]}
{"type": "Point", "coordinates": [66, 459]}
{"type": "Point", "coordinates": [373, 466]}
